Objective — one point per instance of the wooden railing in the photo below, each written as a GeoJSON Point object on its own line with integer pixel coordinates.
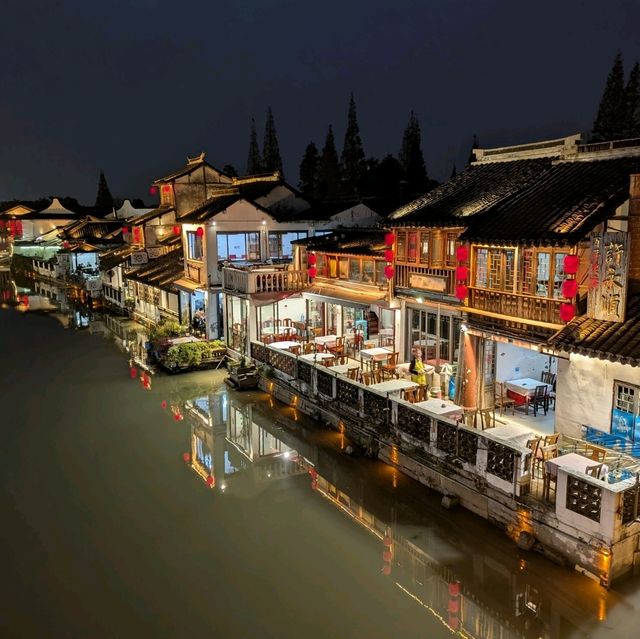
{"type": "Point", "coordinates": [263, 280]}
{"type": "Point", "coordinates": [193, 272]}
{"type": "Point", "coordinates": [515, 305]}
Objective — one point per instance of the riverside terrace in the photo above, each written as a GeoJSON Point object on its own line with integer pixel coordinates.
{"type": "Point", "coordinates": [544, 504]}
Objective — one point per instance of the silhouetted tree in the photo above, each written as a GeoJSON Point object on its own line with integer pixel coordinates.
{"type": "Point", "coordinates": [230, 170]}
{"type": "Point", "coordinates": [611, 121]}
{"type": "Point", "coordinates": [369, 181]}
{"type": "Point", "coordinates": [254, 161]}
{"type": "Point", "coordinates": [309, 171]}
{"type": "Point", "coordinates": [474, 146]}
{"type": "Point", "coordinates": [329, 170]}
{"type": "Point", "coordinates": [271, 159]}
{"type": "Point", "coordinates": [454, 172]}
{"type": "Point", "coordinates": [352, 159]}
{"type": "Point", "coordinates": [411, 158]}
{"type": "Point", "coordinates": [632, 97]}
{"type": "Point", "coordinates": [389, 176]}
{"type": "Point", "coordinates": [104, 199]}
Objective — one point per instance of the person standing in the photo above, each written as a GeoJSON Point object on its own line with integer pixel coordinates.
{"type": "Point", "coordinates": [417, 369]}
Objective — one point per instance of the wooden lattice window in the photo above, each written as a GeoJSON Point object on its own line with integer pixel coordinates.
{"type": "Point", "coordinates": [584, 498]}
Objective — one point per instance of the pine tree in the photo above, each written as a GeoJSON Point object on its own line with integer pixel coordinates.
{"type": "Point", "coordinates": [389, 176]}
{"type": "Point", "coordinates": [329, 170]}
{"type": "Point", "coordinates": [230, 170]}
{"type": "Point", "coordinates": [104, 199]}
{"type": "Point", "coordinates": [632, 97]}
{"type": "Point", "coordinates": [411, 158]}
{"type": "Point", "coordinates": [309, 168]}
{"type": "Point", "coordinates": [352, 159]}
{"type": "Point", "coordinates": [254, 162]}
{"type": "Point", "coordinates": [610, 123]}
{"type": "Point", "coordinates": [454, 172]}
{"type": "Point", "coordinates": [270, 149]}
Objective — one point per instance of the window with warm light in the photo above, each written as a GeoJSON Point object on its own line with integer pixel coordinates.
{"type": "Point", "coordinates": [194, 246]}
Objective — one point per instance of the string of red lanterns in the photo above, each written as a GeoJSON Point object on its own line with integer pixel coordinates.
{"type": "Point", "coordinates": [462, 272]}
{"type": "Point", "coordinates": [389, 255]}
{"type": "Point", "coordinates": [569, 287]}
{"type": "Point", "coordinates": [453, 607]}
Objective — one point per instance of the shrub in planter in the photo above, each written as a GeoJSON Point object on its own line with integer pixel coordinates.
{"type": "Point", "coordinates": [192, 354]}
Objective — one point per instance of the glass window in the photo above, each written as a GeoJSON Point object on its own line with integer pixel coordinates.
{"type": "Point", "coordinates": [558, 274]}
{"type": "Point", "coordinates": [194, 246]}
{"type": "Point", "coordinates": [323, 265]}
{"type": "Point", "coordinates": [401, 248]}
{"type": "Point", "coordinates": [367, 271]}
{"type": "Point", "coordinates": [412, 246]}
{"type": "Point", "coordinates": [542, 274]}
{"type": "Point", "coordinates": [509, 269]}
{"type": "Point", "coordinates": [344, 268]}
{"type": "Point", "coordinates": [333, 266]}
{"type": "Point", "coordinates": [437, 248]}
{"type": "Point", "coordinates": [481, 267]}
{"type": "Point", "coordinates": [526, 271]}
{"type": "Point", "coordinates": [354, 269]}
{"type": "Point", "coordinates": [625, 420]}
{"type": "Point", "coordinates": [380, 277]}
{"type": "Point", "coordinates": [495, 269]}
{"type": "Point", "coordinates": [451, 248]}
{"type": "Point", "coordinates": [424, 248]}
{"type": "Point", "coordinates": [280, 246]}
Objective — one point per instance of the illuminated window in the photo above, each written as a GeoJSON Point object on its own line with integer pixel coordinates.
{"type": "Point", "coordinates": [625, 416]}
{"type": "Point", "coordinates": [424, 248]}
{"type": "Point", "coordinates": [194, 244]}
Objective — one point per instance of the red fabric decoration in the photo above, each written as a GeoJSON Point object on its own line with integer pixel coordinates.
{"type": "Point", "coordinates": [166, 188]}
{"type": "Point", "coordinates": [313, 271]}
{"type": "Point", "coordinates": [312, 259]}
{"type": "Point", "coordinates": [125, 229]}
{"type": "Point", "coordinates": [199, 231]}
{"type": "Point", "coordinates": [567, 312]}
{"type": "Point", "coordinates": [186, 457]}
{"type": "Point", "coordinates": [462, 253]}
{"type": "Point", "coordinates": [387, 541]}
{"type": "Point", "coordinates": [569, 288]}
{"type": "Point", "coordinates": [454, 589]}
{"type": "Point", "coordinates": [163, 403]}
{"type": "Point", "coordinates": [210, 480]}
{"type": "Point", "coordinates": [386, 555]}
{"type": "Point", "coordinates": [176, 230]}
{"type": "Point", "coordinates": [386, 570]}
{"type": "Point", "coordinates": [388, 255]}
{"type": "Point", "coordinates": [462, 273]}
{"type": "Point", "coordinates": [571, 263]}
{"type": "Point", "coordinates": [462, 291]}
{"type": "Point", "coordinates": [19, 228]}
{"type": "Point", "coordinates": [388, 272]}
{"type": "Point", "coordinates": [389, 239]}
{"type": "Point", "coordinates": [133, 372]}
{"type": "Point", "coordinates": [454, 605]}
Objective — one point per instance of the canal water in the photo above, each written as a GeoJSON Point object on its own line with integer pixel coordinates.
{"type": "Point", "coordinates": [178, 507]}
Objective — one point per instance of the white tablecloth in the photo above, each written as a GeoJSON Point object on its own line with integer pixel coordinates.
{"type": "Point", "coordinates": [285, 346]}
{"type": "Point", "coordinates": [573, 461]}
{"type": "Point", "coordinates": [342, 369]}
{"type": "Point", "coordinates": [392, 385]}
{"type": "Point", "coordinates": [183, 340]}
{"type": "Point", "coordinates": [526, 386]}
{"type": "Point", "coordinates": [513, 433]}
{"type": "Point", "coordinates": [438, 407]}
{"type": "Point", "coordinates": [375, 354]}
{"type": "Point", "coordinates": [280, 330]}
{"type": "Point", "coordinates": [326, 340]}
{"type": "Point", "coordinates": [315, 357]}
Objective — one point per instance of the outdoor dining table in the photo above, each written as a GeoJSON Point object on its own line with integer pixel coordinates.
{"type": "Point", "coordinates": [284, 345]}
{"type": "Point", "coordinates": [573, 461]}
{"type": "Point", "coordinates": [526, 386]}
{"type": "Point", "coordinates": [393, 386]}
{"type": "Point", "coordinates": [376, 354]}
{"type": "Point", "coordinates": [279, 330]}
{"type": "Point", "coordinates": [438, 407]}
{"type": "Point", "coordinates": [342, 369]}
{"type": "Point", "coordinates": [316, 357]}
{"type": "Point", "coordinates": [512, 433]}
{"type": "Point", "coordinates": [326, 340]}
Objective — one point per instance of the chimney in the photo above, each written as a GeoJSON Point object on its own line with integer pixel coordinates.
{"type": "Point", "coordinates": [634, 233]}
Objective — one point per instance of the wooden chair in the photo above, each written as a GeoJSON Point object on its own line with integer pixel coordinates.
{"type": "Point", "coordinates": [295, 349]}
{"type": "Point", "coordinates": [320, 348]}
{"type": "Point", "coordinates": [341, 359]}
{"type": "Point", "coordinates": [268, 339]}
{"type": "Point", "coordinates": [309, 347]}
{"type": "Point", "coordinates": [390, 365]}
{"type": "Point", "coordinates": [422, 393]}
{"type": "Point", "coordinates": [338, 349]}
{"type": "Point", "coordinates": [470, 417]}
{"type": "Point", "coordinates": [501, 400]}
{"type": "Point", "coordinates": [540, 399]}
{"type": "Point", "coordinates": [595, 471]}
{"type": "Point", "coordinates": [287, 322]}
{"type": "Point", "coordinates": [551, 439]}
{"type": "Point", "coordinates": [329, 361]}
{"type": "Point", "coordinates": [409, 394]}
{"type": "Point", "coordinates": [487, 418]}
{"type": "Point", "coordinates": [597, 453]}
{"type": "Point", "coordinates": [367, 378]}
{"type": "Point", "coordinates": [534, 446]}
{"type": "Point", "coordinates": [548, 378]}
{"type": "Point", "coordinates": [353, 373]}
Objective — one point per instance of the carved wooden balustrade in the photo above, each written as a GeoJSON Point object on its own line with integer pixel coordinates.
{"type": "Point", "coordinates": [261, 280]}
{"type": "Point", "coordinates": [516, 305]}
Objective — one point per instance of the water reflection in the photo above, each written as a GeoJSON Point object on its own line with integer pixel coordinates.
{"type": "Point", "coordinates": [455, 568]}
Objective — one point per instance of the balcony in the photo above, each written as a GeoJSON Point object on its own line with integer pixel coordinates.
{"type": "Point", "coordinates": [515, 306]}
{"type": "Point", "coordinates": [263, 280]}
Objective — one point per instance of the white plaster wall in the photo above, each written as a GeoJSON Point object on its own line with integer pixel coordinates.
{"type": "Point", "coordinates": [514, 362]}
{"type": "Point", "coordinates": [282, 196]}
{"type": "Point", "coordinates": [360, 216]}
{"type": "Point", "coordinates": [585, 392]}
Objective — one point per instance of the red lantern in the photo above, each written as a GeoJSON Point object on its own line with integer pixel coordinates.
{"type": "Point", "coordinates": [386, 555]}
{"type": "Point", "coordinates": [571, 263]}
{"type": "Point", "coordinates": [387, 541]}
{"type": "Point", "coordinates": [462, 253]}
{"type": "Point", "coordinates": [125, 229]}
{"type": "Point", "coordinates": [153, 190]}
{"type": "Point", "coordinates": [454, 606]}
{"type": "Point", "coordinates": [19, 228]}
{"type": "Point", "coordinates": [454, 623]}
{"type": "Point", "coordinates": [313, 271]}
{"type": "Point", "coordinates": [386, 570]}
{"type": "Point", "coordinates": [66, 245]}
{"type": "Point", "coordinates": [210, 480]}
{"type": "Point", "coordinates": [454, 589]}
{"type": "Point", "coordinates": [137, 233]}
{"type": "Point", "coordinates": [199, 231]}
{"type": "Point", "coordinates": [312, 259]}
{"type": "Point", "coordinates": [462, 273]}
{"type": "Point", "coordinates": [314, 484]}
{"type": "Point", "coordinates": [388, 255]}
{"type": "Point", "coordinates": [388, 272]}
{"type": "Point", "coordinates": [176, 230]}
{"type": "Point", "coordinates": [133, 372]}
{"type": "Point", "coordinates": [163, 403]}
{"type": "Point", "coordinates": [567, 312]}
{"type": "Point", "coordinates": [186, 457]}
{"type": "Point", "coordinates": [462, 291]}
{"type": "Point", "coordinates": [569, 288]}
{"type": "Point", "coordinates": [177, 417]}
{"type": "Point", "coordinates": [389, 239]}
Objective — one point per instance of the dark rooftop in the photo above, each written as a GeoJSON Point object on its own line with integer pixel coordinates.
{"type": "Point", "coordinates": [614, 341]}
{"type": "Point", "coordinates": [161, 272]}
{"type": "Point", "coordinates": [366, 242]}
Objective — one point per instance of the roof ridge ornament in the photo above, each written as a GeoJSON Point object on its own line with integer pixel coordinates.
{"type": "Point", "coordinates": [195, 160]}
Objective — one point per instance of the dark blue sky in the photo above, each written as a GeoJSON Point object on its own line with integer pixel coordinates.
{"type": "Point", "coordinates": [133, 86]}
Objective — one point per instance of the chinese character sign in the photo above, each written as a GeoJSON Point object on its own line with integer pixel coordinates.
{"type": "Point", "coordinates": [608, 268]}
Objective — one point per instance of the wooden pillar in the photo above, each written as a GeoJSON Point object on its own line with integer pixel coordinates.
{"type": "Point", "coordinates": [470, 373]}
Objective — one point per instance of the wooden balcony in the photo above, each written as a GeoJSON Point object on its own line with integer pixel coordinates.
{"type": "Point", "coordinates": [539, 310]}
{"type": "Point", "coordinates": [263, 280]}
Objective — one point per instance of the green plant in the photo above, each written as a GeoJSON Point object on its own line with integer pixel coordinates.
{"type": "Point", "coordinates": [192, 353]}
{"type": "Point", "coordinates": [168, 328]}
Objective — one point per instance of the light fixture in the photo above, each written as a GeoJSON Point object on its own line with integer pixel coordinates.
{"type": "Point", "coordinates": [464, 328]}
{"type": "Point", "coordinates": [419, 300]}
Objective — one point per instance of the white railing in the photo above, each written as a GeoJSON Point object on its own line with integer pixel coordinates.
{"type": "Point", "coordinates": [263, 280]}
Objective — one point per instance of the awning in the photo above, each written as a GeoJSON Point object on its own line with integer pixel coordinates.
{"type": "Point", "coordinates": [262, 299]}
{"type": "Point", "coordinates": [187, 285]}
{"type": "Point", "coordinates": [344, 295]}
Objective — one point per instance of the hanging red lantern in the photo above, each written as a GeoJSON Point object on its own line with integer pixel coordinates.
{"type": "Point", "coordinates": [388, 255]}
{"type": "Point", "coordinates": [386, 570]}
{"type": "Point", "coordinates": [19, 228]}
{"type": "Point", "coordinates": [454, 589]}
{"type": "Point", "coordinates": [210, 480]}
{"type": "Point", "coordinates": [314, 484]}
{"type": "Point", "coordinates": [133, 372]}
{"type": "Point", "coordinates": [454, 606]}
{"type": "Point", "coordinates": [387, 541]}
{"type": "Point", "coordinates": [312, 259]}
{"type": "Point", "coordinates": [313, 472]}
{"type": "Point", "coordinates": [389, 239]}
{"type": "Point", "coordinates": [454, 623]}
{"type": "Point", "coordinates": [125, 229]}
{"type": "Point", "coordinates": [177, 417]}
{"type": "Point", "coordinates": [388, 272]}
{"type": "Point", "coordinates": [166, 188]}
{"type": "Point", "coordinates": [462, 273]}
{"type": "Point", "coordinates": [176, 230]}
{"type": "Point", "coordinates": [462, 291]}
{"type": "Point", "coordinates": [567, 312]}
{"type": "Point", "coordinates": [569, 288]}
{"type": "Point", "coordinates": [153, 190]}
{"type": "Point", "coordinates": [66, 245]}
{"type": "Point", "coordinates": [462, 253]}
{"type": "Point", "coordinates": [313, 271]}
{"type": "Point", "coordinates": [186, 457]}
{"type": "Point", "coordinates": [386, 555]}
{"type": "Point", "coordinates": [137, 233]}
{"type": "Point", "coordinates": [571, 263]}
{"type": "Point", "coordinates": [163, 403]}
{"type": "Point", "coordinates": [199, 231]}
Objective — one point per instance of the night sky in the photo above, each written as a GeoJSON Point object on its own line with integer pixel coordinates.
{"type": "Point", "coordinates": [134, 86]}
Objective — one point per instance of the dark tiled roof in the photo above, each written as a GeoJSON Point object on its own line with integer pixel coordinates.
{"type": "Point", "coordinates": [469, 193]}
{"type": "Point", "coordinates": [161, 272]}
{"type": "Point", "coordinates": [151, 215]}
{"type": "Point", "coordinates": [561, 206]}
{"type": "Point", "coordinates": [90, 229]}
{"type": "Point", "coordinates": [191, 166]}
{"type": "Point", "coordinates": [617, 342]}
{"type": "Point", "coordinates": [369, 242]}
{"type": "Point", "coordinates": [116, 256]}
